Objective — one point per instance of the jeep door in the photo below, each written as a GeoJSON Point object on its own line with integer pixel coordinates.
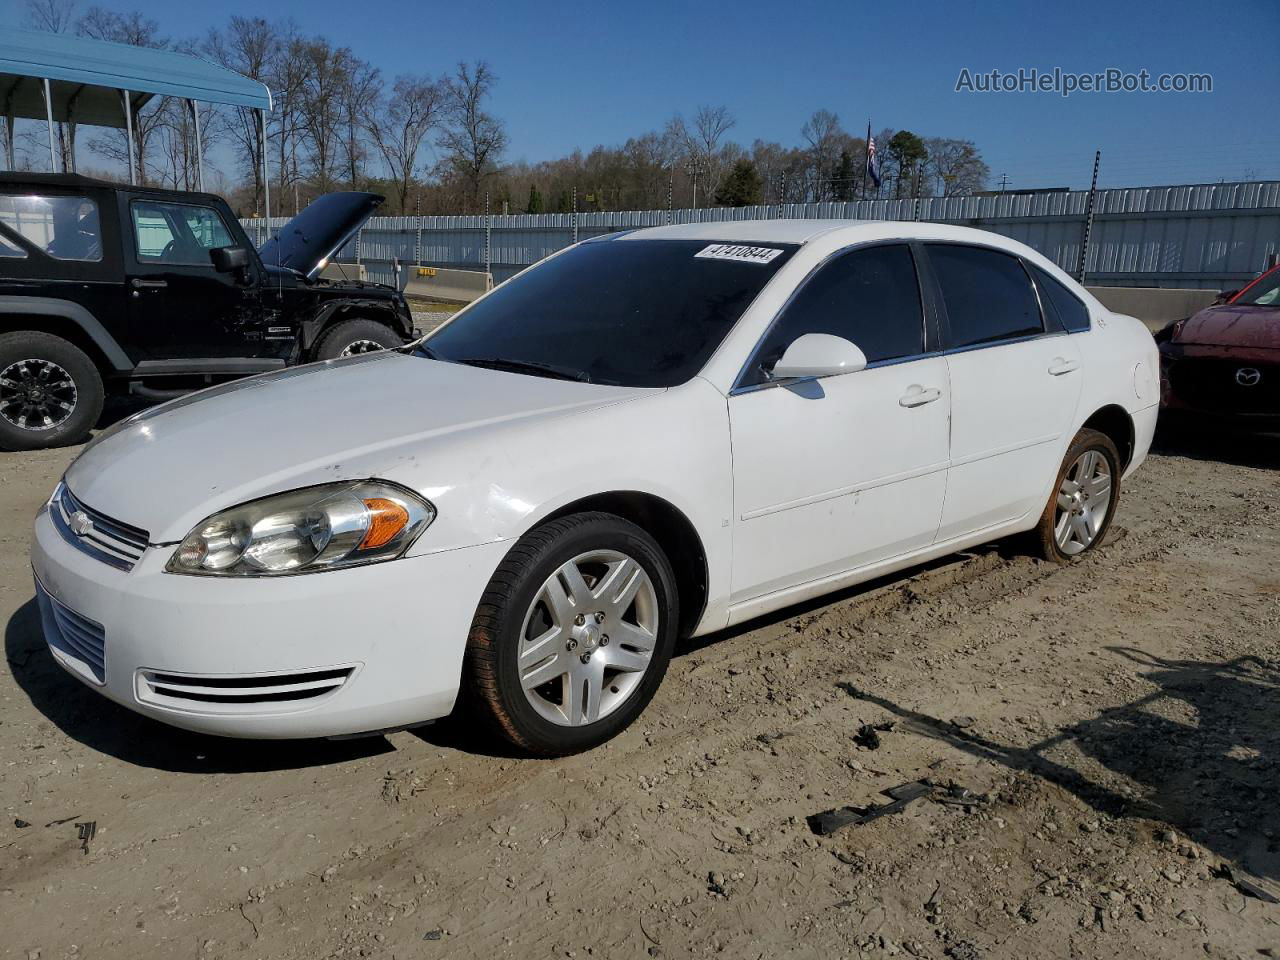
{"type": "Point", "coordinates": [180, 307]}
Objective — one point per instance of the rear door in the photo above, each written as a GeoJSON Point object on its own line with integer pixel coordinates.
{"type": "Point", "coordinates": [1015, 384]}
{"type": "Point", "coordinates": [840, 472]}
{"type": "Point", "coordinates": [179, 306]}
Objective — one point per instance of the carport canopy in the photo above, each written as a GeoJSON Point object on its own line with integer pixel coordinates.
{"type": "Point", "coordinates": [60, 78]}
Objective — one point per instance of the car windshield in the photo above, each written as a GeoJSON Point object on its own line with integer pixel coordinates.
{"type": "Point", "coordinates": [1265, 292]}
{"type": "Point", "coordinates": [635, 313]}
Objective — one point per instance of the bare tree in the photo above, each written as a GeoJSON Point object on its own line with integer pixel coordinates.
{"type": "Point", "coordinates": [957, 165]}
{"type": "Point", "coordinates": [401, 126]}
{"type": "Point", "coordinates": [56, 16]}
{"type": "Point", "coordinates": [473, 139]}
{"type": "Point", "coordinates": [823, 134]}
{"type": "Point", "coordinates": [250, 46]}
{"type": "Point", "coordinates": [699, 143]}
{"type": "Point", "coordinates": [358, 98]}
{"type": "Point", "coordinates": [137, 30]}
{"type": "Point", "coordinates": [327, 71]}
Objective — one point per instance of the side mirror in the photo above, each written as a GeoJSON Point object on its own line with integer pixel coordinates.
{"type": "Point", "coordinates": [229, 259]}
{"type": "Point", "coordinates": [1224, 297]}
{"type": "Point", "coordinates": [819, 355]}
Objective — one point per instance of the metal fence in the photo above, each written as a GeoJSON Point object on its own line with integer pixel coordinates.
{"type": "Point", "coordinates": [1200, 236]}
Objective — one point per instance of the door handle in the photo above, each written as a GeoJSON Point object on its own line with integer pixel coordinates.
{"type": "Point", "coordinates": [1062, 365]}
{"type": "Point", "coordinates": [139, 284]}
{"type": "Point", "coordinates": [918, 396]}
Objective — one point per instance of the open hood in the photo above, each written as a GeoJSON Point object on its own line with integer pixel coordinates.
{"type": "Point", "coordinates": [306, 242]}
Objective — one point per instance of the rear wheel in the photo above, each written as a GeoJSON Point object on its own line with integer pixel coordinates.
{"type": "Point", "coordinates": [1084, 498]}
{"type": "Point", "coordinates": [351, 337]}
{"type": "Point", "coordinates": [50, 391]}
{"type": "Point", "coordinates": [573, 635]}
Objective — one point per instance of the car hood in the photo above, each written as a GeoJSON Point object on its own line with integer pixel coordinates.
{"type": "Point", "coordinates": [1233, 325]}
{"type": "Point", "coordinates": [169, 467]}
{"type": "Point", "coordinates": [307, 241]}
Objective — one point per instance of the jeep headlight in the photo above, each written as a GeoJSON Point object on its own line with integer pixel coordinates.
{"type": "Point", "coordinates": [305, 531]}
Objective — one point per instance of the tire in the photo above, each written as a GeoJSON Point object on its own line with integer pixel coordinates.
{"type": "Point", "coordinates": [515, 607]}
{"type": "Point", "coordinates": [356, 336]}
{"type": "Point", "coordinates": [1078, 515]}
{"type": "Point", "coordinates": [50, 391]}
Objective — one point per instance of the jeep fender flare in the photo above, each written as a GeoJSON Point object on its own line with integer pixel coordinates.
{"type": "Point", "coordinates": [336, 311]}
{"type": "Point", "coordinates": [66, 310]}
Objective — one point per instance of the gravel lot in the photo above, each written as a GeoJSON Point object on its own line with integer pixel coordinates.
{"type": "Point", "coordinates": [1115, 724]}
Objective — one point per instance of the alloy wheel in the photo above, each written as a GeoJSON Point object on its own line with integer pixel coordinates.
{"type": "Point", "coordinates": [588, 638]}
{"type": "Point", "coordinates": [1084, 499]}
{"type": "Point", "coordinates": [361, 346]}
{"type": "Point", "coordinates": [36, 394]}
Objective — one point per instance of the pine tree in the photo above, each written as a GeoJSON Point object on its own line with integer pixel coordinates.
{"type": "Point", "coordinates": [535, 200]}
{"type": "Point", "coordinates": [742, 187]}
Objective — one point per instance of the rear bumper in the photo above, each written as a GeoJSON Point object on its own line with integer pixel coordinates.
{"type": "Point", "coordinates": [312, 655]}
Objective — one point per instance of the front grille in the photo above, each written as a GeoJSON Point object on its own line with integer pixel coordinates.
{"type": "Point", "coordinates": [74, 636]}
{"type": "Point", "coordinates": [240, 691]}
{"type": "Point", "coordinates": [1209, 383]}
{"type": "Point", "coordinates": [105, 538]}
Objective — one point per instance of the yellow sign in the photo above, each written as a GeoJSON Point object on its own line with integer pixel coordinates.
{"type": "Point", "coordinates": [426, 271]}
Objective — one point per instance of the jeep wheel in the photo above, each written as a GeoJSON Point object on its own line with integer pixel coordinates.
{"type": "Point", "coordinates": [50, 391]}
{"type": "Point", "coordinates": [356, 336]}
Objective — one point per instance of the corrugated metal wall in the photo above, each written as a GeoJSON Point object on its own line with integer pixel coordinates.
{"type": "Point", "coordinates": [1204, 236]}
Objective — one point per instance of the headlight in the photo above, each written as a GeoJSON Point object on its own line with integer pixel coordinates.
{"type": "Point", "coordinates": [304, 531]}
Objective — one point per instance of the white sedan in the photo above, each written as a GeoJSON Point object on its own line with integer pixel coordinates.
{"type": "Point", "coordinates": [647, 436]}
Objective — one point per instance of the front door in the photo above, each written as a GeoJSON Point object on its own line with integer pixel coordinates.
{"type": "Point", "coordinates": [841, 472]}
{"type": "Point", "coordinates": [179, 306]}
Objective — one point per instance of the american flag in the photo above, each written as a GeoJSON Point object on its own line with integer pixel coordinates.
{"type": "Point", "coordinates": [873, 165]}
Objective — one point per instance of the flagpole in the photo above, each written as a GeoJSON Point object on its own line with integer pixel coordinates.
{"type": "Point", "coordinates": [866, 159]}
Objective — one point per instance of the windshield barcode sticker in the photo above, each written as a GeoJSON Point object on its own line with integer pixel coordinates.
{"type": "Point", "coordinates": [738, 252]}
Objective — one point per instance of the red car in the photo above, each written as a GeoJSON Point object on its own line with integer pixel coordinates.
{"type": "Point", "coordinates": [1223, 364]}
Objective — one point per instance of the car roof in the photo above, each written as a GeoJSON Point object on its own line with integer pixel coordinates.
{"type": "Point", "coordinates": [804, 231]}
{"type": "Point", "coordinates": [74, 181]}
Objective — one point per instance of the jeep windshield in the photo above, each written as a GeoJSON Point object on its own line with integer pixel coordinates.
{"type": "Point", "coordinates": [634, 313]}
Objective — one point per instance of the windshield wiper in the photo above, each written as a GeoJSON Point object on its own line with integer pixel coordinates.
{"type": "Point", "coordinates": [528, 366]}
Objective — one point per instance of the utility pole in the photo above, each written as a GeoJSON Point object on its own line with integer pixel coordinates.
{"type": "Point", "coordinates": [417, 237]}
{"type": "Point", "coordinates": [1004, 182]}
{"type": "Point", "coordinates": [487, 232]}
{"type": "Point", "coordinates": [1088, 217]}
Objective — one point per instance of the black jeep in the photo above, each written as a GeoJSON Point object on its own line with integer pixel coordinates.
{"type": "Point", "coordinates": [105, 287]}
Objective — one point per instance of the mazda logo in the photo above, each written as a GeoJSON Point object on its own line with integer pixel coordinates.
{"type": "Point", "coordinates": [1248, 377]}
{"type": "Point", "coordinates": [80, 523]}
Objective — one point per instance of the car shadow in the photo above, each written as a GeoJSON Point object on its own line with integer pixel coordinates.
{"type": "Point", "coordinates": [102, 725]}
{"type": "Point", "coordinates": [1199, 753]}
{"type": "Point", "coordinates": [1224, 445]}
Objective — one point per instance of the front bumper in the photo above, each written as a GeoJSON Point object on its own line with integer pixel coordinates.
{"type": "Point", "coordinates": [1237, 387]}
{"type": "Point", "coordinates": [323, 654]}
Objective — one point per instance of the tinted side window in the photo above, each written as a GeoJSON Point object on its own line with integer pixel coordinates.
{"type": "Point", "coordinates": [65, 228]}
{"type": "Point", "coordinates": [177, 233]}
{"type": "Point", "coordinates": [870, 297]}
{"type": "Point", "coordinates": [1071, 313]}
{"type": "Point", "coordinates": [988, 294]}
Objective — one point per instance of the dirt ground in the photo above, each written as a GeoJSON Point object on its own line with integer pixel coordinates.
{"type": "Point", "coordinates": [1114, 721]}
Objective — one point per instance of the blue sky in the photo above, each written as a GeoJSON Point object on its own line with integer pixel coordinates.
{"type": "Point", "coordinates": [576, 74]}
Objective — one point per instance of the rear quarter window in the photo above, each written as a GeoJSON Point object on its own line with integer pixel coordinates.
{"type": "Point", "coordinates": [1060, 303]}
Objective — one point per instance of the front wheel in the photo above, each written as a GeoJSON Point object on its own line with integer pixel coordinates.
{"type": "Point", "coordinates": [50, 392]}
{"type": "Point", "coordinates": [573, 635]}
{"type": "Point", "coordinates": [351, 337]}
{"type": "Point", "coordinates": [1084, 498]}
